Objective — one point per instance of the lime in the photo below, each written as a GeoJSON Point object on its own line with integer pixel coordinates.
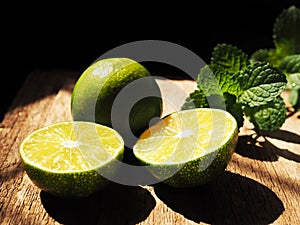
{"type": "Point", "coordinates": [190, 147]}
{"type": "Point", "coordinates": [103, 82]}
{"type": "Point", "coordinates": [71, 159]}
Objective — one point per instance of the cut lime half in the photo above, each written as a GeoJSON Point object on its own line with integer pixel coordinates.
{"type": "Point", "coordinates": [190, 147]}
{"type": "Point", "coordinates": [72, 159]}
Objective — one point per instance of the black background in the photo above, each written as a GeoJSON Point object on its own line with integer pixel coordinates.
{"type": "Point", "coordinates": [71, 37]}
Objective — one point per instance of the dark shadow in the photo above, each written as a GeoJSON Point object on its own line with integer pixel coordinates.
{"type": "Point", "coordinates": [167, 71]}
{"type": "Point", "coordinates": [129, 157]}
{"type": "Point", "coordinates": [266, 151]}
{"type": "Point", "coordinates": [231, 199]}
{"type": "Point", "coordinates": [116, 204]}
{"type": "Point", "coordinates": [133, 172]}
{"type": "Point", "coordinates": [248, 147]}
{"type": "Point", "coordinates": [283, 135]}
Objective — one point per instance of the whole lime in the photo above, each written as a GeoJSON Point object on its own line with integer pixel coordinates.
{"type": "Point", "coordinates": [117, 92]}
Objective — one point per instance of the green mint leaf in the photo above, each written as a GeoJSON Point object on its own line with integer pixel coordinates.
{"type": "Point", "coordinates": [260, 83]}
{"type": "Point", "coordinates": [269, 116]}
{"type": "Point", "coordinates": [293, 81]}
{"type": "Point", "coordinates": [286, 32]}
{"type": "Point", "coordinates": [229, 82]}
{"type": "Point", "coordinates": [196, 99]}
{"type": "Point", "coordinates": [293, 97]}
{"type": "Point", "coordinates": [234, 108]}
{"type": "Point", "coordinates": [215, 82]}
{"type": "Point", "coordinates": [221, 75]}
{"type": "Point", "coordinates": [208, 82]}
{"type": "Point", "coordinates": [291, 64]}
{"type": "Point", "coordinates": [261, 94]}
{"type": "Point", "coordinates": [260, 73]}
{"type": "Point", "coordinates": [294, 87]}
{"type": "Point", "coordinates": [266, 55]}
{"type": "Point", "coordinates": [229, 58]}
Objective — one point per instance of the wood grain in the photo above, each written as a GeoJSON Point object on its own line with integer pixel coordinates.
{"type": "Point", "coordinates": [260, 185]}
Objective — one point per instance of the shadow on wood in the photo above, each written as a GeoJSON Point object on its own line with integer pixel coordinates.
{"type": "Point", "coordinates": [283, 135]}
{"type": "Point", "coordinates": [116, 204]}
{"type": "Point", "coordinates": [266, 151]}
{"type": "Point", "coordinates": [231, 199]}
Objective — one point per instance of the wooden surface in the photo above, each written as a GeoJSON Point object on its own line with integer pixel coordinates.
{"type": "Point", "coordinates": [260, 186]}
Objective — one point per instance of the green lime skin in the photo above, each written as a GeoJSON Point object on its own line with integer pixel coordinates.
{"type": "Point", "coordinates": [197, 172]}
{"type": "Point", "coordinates": [98, 87]}
{"type": "Point", "coordinates": [72, 185]}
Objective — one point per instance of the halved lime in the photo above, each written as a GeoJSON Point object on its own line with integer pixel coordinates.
{"type": "Point", "coordinates": [72, 159]}
{"type": "Point", "coordinates": [188, 148]}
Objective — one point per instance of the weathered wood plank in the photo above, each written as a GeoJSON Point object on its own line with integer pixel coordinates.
{"type": "Point", "coordinates": [260, 186]}
{"type": "Point", "coordinates": [32, 108]}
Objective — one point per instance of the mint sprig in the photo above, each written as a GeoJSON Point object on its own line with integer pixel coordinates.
{"type": "Point", "coordinates": [286, 38]}
{"type": "Point", "coordinates": [232, 83]}
{"type": "Point", "coordinates": [286, 32]}
{"type": "Point", "coordinates": [260, 84]}
{"type": "Point", "coordinates": [286, 52]}
{"type": "Point", "coordinates": [290, 65]}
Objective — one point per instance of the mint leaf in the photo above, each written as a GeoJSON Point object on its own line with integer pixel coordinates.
{"type": "Point", "coordinates": [260, 73]}
{"type": "Point", "coordinates": [291, 64]}
{"type": "Point", "coordinates": [196, 99]}
{"type": "Point", "coordinates": [260, 84]}
{"type": "Point", "coordinates": [293, 97]}
{"type": "Point", "coordinates": [229, 82]}
{"type": "Point", "coordinates": [208, 82]}
{"type": "Point", "coordinates": [260, 95]}
{"type": "Point", "coordinates": [220, 76]}
{"type": "Point", "coordinates": [269, 116]}
{"type": "Point", "coordinates": [286, 32]}
{"type": "Point", "coordinates": [294, 81]}
{"type": "Point", "coordinates": [234, 108]}
{"type": "Point", "coordinates": [294, 86]}
{"type": "Point", "coordinates": [213, 81]}
{"type": "Point", "coordinates": [266, 55]}
{"type": "Point", "coordinates": [229, 58]}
